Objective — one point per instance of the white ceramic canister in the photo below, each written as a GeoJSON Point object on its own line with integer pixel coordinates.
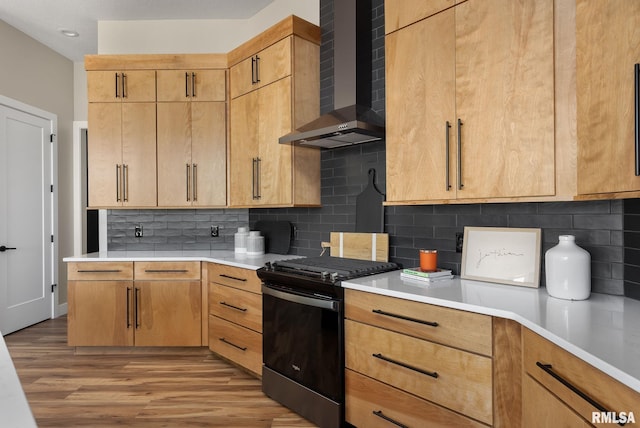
{"type": "Point", "coordinates": [568, 270]}
{"type": "Point", "coordinates": [255, 243]}
{"type": "Point", "coordinates": [240, 240]}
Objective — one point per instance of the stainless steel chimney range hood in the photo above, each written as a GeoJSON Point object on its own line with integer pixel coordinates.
{"type": "Point", "coordinates": [353, 121]}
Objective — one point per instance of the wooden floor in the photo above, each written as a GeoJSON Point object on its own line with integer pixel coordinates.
{"type": "Point", "coordinates": [181, 387]}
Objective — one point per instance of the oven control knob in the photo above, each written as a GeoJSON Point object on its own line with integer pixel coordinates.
{"type": "Point", "coordinates": [324, 275]}
{"type": "Point", "coordinates": [268, 266]}
{"type": "Point", "coordinates": [334, 276]}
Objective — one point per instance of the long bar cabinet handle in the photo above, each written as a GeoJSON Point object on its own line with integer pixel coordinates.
{"type": "Point", "coordinates": [125, 180]}
{"type": "Point", "coordinates": [460, 185]}
{"type": "Point", "coordinates": [117, 183]}
{"type": "Point", "coordinates": [406, 366]}
{"type": "Point", "coordinates": [166, 270]}
{"type": "Point", "coordinates": [379, 414]}
{"type": "Point", "coordinates": [232, 277]}
{"type": "Point", "coordinates": [128, 305]}
{"type": "Point", "coordinates": [446, 158]}
{"type": "Point", "coordinates": [254, 172]}
{"type": "Point", "coordinates": [117, 91]}
{"type": "Point", "coordinates": [186, 85]}
{"type": "Point", "coordinates": [636, 69]}
{"type": "Point", "coordinates": [136, 302]}
{"type": "Point", "coordinates": [548, 368]}
{"type": "Point", "coordinates": [195, 181]}
{"type": "Point", "coordinates": [124, 86]}
{"type": "Point", "coordinates": [99, 270]}
{"type": "Point", "coordinates": [259, 162]}
{"type": "Point", "coordinates": [404, 317]}
{"type": "Point", "coordinates": [233, 307]}
{"type": "Point", "coordinates": [242, 348]}
{"type": "Point", "coordinates": [257, 69]}
{"type": "Point", "coordinates": [188, 180]}
{"type": "Point", "coordinates": [253, 70]}
{"type": "Point", "coordinates": [193, 85]}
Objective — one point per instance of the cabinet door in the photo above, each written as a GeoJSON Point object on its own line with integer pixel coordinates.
{"type": "Point", "coordinates": [421, 149]}
{"type": "Point", "coordinates": [541, 409]}
{"type": "Point", "coordinates": [168, 313]}
{"type": "Point", "coordinates": [104, 154]}
{"type": "Point", "coordinates": [607, 47]}
{"type": "Point", "coordinates": [505, 97]}
{"type": "Point", "coordinates": [274, 167]}
{"type": "Point", "coordinates": [100, 313]}
{"type": "Point", "coordinates": [196, 85]}
{"type": "Point", "coordinates": [274, 62]}
{"type": "Point", "coordinates": [209, 153]}
{"type": "Point", "coordinates": [242, 77]}
{"type": "Point", "coordinates": [139, 154]}
{"type": "Point", "coordinates": [243, 149]}
{"type": "Point", "coordinates": [121, 86]}
{"type": "Point", "coordinates": [174, 154]}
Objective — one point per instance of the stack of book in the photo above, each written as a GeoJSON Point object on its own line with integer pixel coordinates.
{"type": "Point", "coordinates": [416, 274]}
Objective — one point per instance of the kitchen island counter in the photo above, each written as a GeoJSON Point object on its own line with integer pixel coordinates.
{"type": "Point", "coordinates": [603, 330]}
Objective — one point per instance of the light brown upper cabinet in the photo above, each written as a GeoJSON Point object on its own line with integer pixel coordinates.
{"type": "Point", "coordinates": [261, 69]}
{"type": "Point", "coordinates": [192, 138]}
{"type": "Point", "coordinates": [471, 117]}
{"type": "Point", "coordinates": [263, 172]}
{"type": "Point", "coordinates": [121, 86]}
{"type": "Point", "coordinates": [607, 52]}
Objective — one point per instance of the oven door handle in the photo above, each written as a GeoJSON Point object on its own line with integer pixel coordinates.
{"type": "Point", "coordinates": [331, 305]}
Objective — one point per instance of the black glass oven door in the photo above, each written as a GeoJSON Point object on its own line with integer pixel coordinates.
{"type": "Point", "coordinates": [301, 340]}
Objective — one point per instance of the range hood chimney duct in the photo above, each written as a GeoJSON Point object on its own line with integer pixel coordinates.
{"type": "Point", "coordinates": [352, 121]}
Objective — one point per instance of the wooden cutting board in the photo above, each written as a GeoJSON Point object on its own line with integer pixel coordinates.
{"type": "Point", "coordinates": [362, 246]}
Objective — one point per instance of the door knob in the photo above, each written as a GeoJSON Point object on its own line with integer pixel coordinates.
{"type": "Point", "coordinates": [3, 248]}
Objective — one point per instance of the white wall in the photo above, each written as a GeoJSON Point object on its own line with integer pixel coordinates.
{"type": "Point", "coordinates": [35, 75]}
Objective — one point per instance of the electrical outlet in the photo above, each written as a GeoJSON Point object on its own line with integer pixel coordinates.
{"type": "Point", "coordinates": [215, 231]}
{"type": "Point", "coordinates": [459, 239]}
{"type": "Point", "coordinates": [139, 232]}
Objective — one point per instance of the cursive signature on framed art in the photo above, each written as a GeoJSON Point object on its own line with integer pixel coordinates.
{"type": "Point", "coordinates": [505, 255]}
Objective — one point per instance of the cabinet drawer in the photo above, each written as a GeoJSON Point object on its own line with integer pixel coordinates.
{"type": "Point", "coordinates": [453, 378]}
{"type": "Point", "coordinates": [167, 270]}
{"type": "Point", "coordinates": [237, 306]}
{"type": "Point", "coordinates": [244, 279]}
{"type": "Point", "coordinates": [369, 402]}
{"type": "Point", "coordinates": [540, 408]}
{"type": "Point", "coordinates": [99, 271]}
{"type": "Point", "coordinates": [598, 386]}
{"type": "Point", "coordinates": [238, 344]}
{"type": "Point", "coordinates": [460, 329]}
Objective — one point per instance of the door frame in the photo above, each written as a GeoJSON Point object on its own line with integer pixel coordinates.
{"type": "Point", "coordinates": [53, 120]}
{"type": "Point", "coordinates": [79, 194]}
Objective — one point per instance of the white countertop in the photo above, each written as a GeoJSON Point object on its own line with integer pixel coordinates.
{"type": "Point", "coordinates": [215, 256]}
{"type": "Point", "coordinates": [603, 330]}
{"type": "Point", "coordinates": [14, 407]}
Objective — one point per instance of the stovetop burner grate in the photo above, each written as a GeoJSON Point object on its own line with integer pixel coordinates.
{"type": "Point", "coordinates": [345, 268]}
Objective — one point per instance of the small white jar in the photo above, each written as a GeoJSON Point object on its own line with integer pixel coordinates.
{"type": "Point", "coordinates": [255, 243]}
{"type": "Point", "coordinates": [568, 270]}
{"type": "Point", "coordinates": [240, 240]}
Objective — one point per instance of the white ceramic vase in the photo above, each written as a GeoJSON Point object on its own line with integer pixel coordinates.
{"type": "Point", "coordinates": [568, 270]}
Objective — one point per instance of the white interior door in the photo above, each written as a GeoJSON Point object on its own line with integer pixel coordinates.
{"type": "Point", "coordinates": [26, 219]}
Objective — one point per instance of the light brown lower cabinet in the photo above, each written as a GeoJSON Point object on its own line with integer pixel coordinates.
{"type": "Point", "coordinates": [235, 315]}
{"type": "Point", "coordinates": [407, 364]}
{"type": "Point", "coordinates": [570, 386]}
{"type": "Point", "coordinates": [141, 304]}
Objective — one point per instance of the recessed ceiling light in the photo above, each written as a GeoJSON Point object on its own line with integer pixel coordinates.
{"type": "Point", "coordinates": [69, 33]}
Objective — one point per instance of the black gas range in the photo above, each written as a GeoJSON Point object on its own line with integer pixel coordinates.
{"type": "Point", "coordinates": [303, 333]}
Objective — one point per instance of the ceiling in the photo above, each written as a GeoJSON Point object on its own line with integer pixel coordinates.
{"type": "Point", "coordinates": [43, 20]}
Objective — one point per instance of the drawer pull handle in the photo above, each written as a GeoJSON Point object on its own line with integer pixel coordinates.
{"type": "Point", "coordinates": [129, 289]}
{"type": "Point", "coordinates": [233, 307]}
{"type": "Point", "coordinates": [99, 270]}
{"type": "Point", "coordinates": [233, 277]}
{"type": "Point", "coordinates": [379, 414]}
{"type": "Point", "coordinates": [166, 270]}
{"type": "Point", "coordinates": [549, 369]}
{"type": "Point", "coordinates": [406, 366]}
{"type": "Point", "coordinates": [222, 339]}
{"type": "Point", "coordinates": [402, 317]}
